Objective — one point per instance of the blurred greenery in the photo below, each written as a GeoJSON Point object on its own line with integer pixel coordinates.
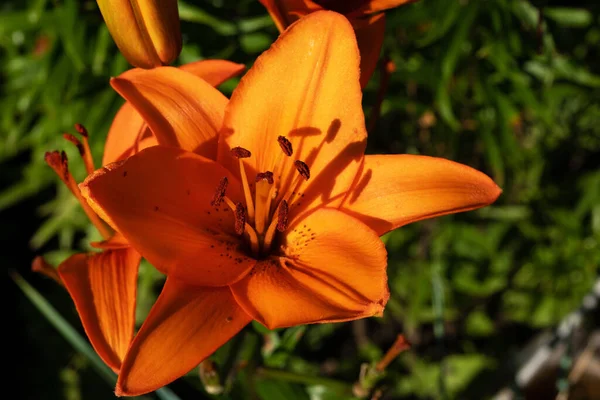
{"type": "Point", "coordinates": [510, 87]}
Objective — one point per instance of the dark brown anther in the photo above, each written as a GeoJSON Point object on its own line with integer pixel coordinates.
{"type": "Point", "coordinates": [302, 169]}
{"type": "Point", "coordinates": [282, 216]}
{"type": "Point", "coordinates": [240, 218]}
{"type": "Point", "coordinates": [59, 163]}
{"type": "Point", "coordinates": [240, 152]}
{"type": "Point", "coordinates": [76, 142]}
{"type": "Point", "coordinates": [267, 176]}
{"type": "Point", "coordinates": [220, 192]}
{"type": "Point", "coordinates": [286, 145]}
{"type": "Point", "coordinates": [81, 129]}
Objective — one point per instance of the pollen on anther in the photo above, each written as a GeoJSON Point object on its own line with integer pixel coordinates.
{"type": "Point", "coordinates": [220, 192]}
{"type": "Point", "coordinates": [240, 218]}
{"type": "Point", "coordinates": [81, 129]}
{"type": "Point", "coordinates": [76, 142]}
{"type": "Point", "coordinates": [282, 216]}
{"type": "Point", "coordinates": [286, 145]}
{"type": "Point", "coordinates": [240, 152]}
{"type": "Point", "coordinates": [268, 176]}
{"type": "Point", "coordinates": [302, 169]}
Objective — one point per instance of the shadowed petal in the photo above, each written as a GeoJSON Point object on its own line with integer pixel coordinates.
{"type": "Point", "coordinates": [160, 201]}
{"type": "Point", "coordinates": [374, 6]}
{"type": "Point", "coordinates": [319, 110]}
{"type": "Point", "coordinates": [181, 109]}
{"type": "Point", "coordinates": [124, 136]}
{"type": "Point", "coordinates": [333, 269]}
{"type": "Point", "coordinates": [395, 190]}
{"type": "Point", "coordinates": [285, 12]}
{"type": "Point", "coordinates": [130, 134]}
{"type": "Point", "coordinates": [186, 325]}
{"type": "Point", "coordinates": [103, 287]}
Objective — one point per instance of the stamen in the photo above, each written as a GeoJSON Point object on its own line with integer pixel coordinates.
{"type": "Point", "coordinates": [220, 192]}
{"type": "Point", "coordinates": [76, 142]}
{"type": "Point", "coordinates": [60, 164]}
{"type": "Point", "coordinates": [81, 129]}
{"type": "Point", "coordinates": [240, 218]}
{"type": "Point", "coordinates": [286, 145]}
{"type": "Point", "coordinates": [87, 152]}
{"type": "Point", "coordinates": [240, 152]}
{"type": "Point", "coordinates": [279, 224]}
{"type": "Point", "coordinates": [282, 216]}
{"type": "Point", "coordinates": [267, 176]}
{"type": "Point", "coordinates": [302, 169]}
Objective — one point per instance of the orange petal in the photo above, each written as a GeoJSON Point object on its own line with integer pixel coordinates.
{"type": "Point", "coordinates": [333, 269]}
{"type": "Point", "coordinates": [214, 72]}
{"type": "Point", "coordinates": [186, 325]}
{"type": "Point", "coordinates": [181, 109]}
{"type": "Point", "coordinates": [395, 190]}
{"type": "Point", "coordinates": [160, 200]}
{"type": "Point", "coordinates": [374, 6]}
{"type": "Point", "coordinates": [369, 34]}
{"type": "Point", "coordinates": [123, 135]}
{"type": "Point", "coordinates": [129, 133]}
{"type": "Point", "coordinates": [103, 287]}
{"type": "Point", "coordinates": [285, 12]}
{"type": "Point", "coordinates": [319, 110]}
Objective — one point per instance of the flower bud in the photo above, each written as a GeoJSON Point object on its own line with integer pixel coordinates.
{"type": "Point", "coordinates": [146, 31]}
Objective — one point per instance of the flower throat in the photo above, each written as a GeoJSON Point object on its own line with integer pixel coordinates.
{"type": "Point", "coordinates": [262, 216]}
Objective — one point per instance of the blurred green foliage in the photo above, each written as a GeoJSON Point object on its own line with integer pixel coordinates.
{"type": "Point", "coordinates": [506, 86]}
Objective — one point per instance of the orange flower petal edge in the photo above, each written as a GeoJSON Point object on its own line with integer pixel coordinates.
{"type": "Point", "coordinates": [185, 325]}
{"type": "Point", "coordinates": [395, 190]}
{"type": "Point", "coordinates": [103, 287]}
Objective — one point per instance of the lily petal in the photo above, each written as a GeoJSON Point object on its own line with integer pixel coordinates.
{"type": "Point", "coordinates": [130, 134]}
{"type": "Point", "coordinates": [334, 269]}
{"type": "Point", "coordinates": [181, 109]}
{"type": "Point", "coordinates": [186, 325]}
{"type": "Point", "coordinates": [369, 35]}
{"type": "Point", "coordinates": [318, 110]}
{"type": "Point", "coordinates": [285, 12]}
{"type": "Point", "coordinates": [374, 6]}
{"type": "Point", "coordinates": [395, 190]}
{"type": "Point", "coordinates": [214, 72]}
{"type": "Point", "coordinates": [160, 201]}
{"type": "Point", "coordinates": [103, 287]}
{"type": "Point", "coordinates": [124, 135]}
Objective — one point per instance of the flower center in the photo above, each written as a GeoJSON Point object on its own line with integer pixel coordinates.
{"type": "Point", "coordinates": [263, 215]}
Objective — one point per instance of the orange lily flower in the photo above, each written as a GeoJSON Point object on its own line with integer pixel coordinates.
{"type": "Point", "coordinates": [103, 284]}
{"type": "Point", "coordinates": [364, 15]}
{"type": "Point", "coordinates": [274, 217]}
{"type": "Point", "coordinates": [146, 31]}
